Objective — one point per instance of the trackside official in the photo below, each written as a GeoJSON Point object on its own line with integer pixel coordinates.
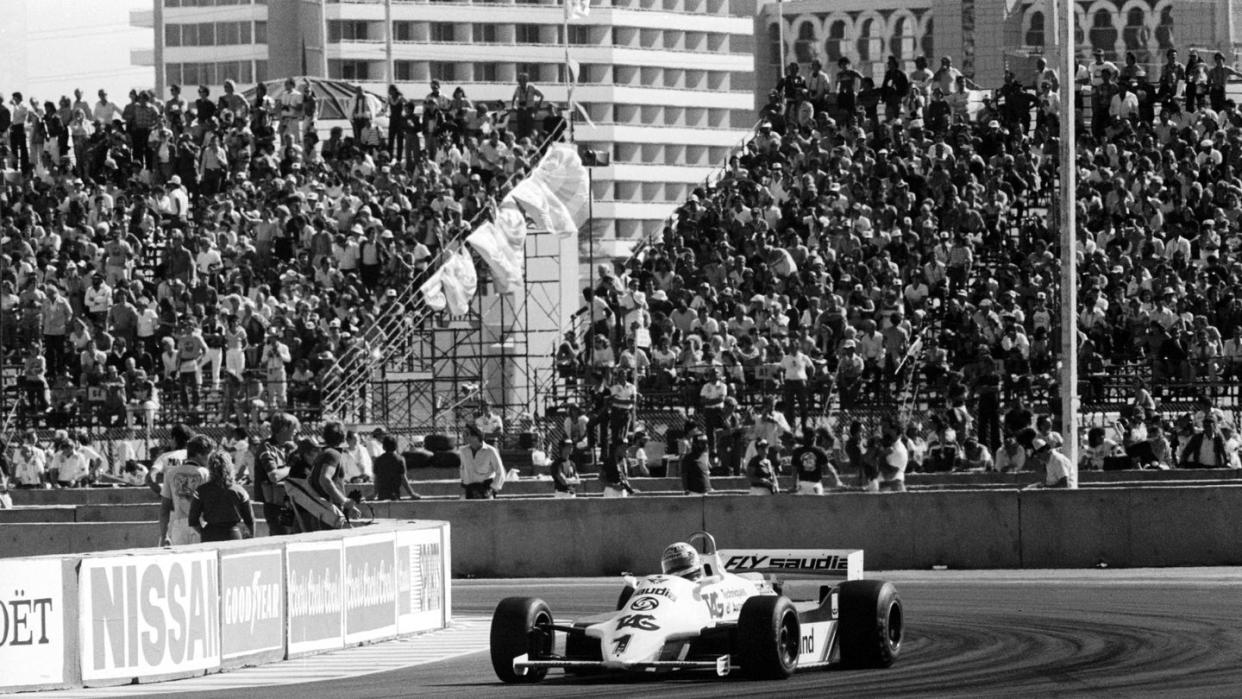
{"type": "Point", "coordinates": [482, 473]}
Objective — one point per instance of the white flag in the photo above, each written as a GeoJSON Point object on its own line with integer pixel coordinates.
{"type": "Point", "coordinates": [543, 206]}
{"type": "Point", "coordinates": [579, 8]}
{"type": "Point", "coordinates": [433, 291]}
{"type": "Point", "coordinates": [505, 261]}
{"type": "Point", "coordinates": [460, 281]}
{"type": "Point", "coordinates": [573, 66]}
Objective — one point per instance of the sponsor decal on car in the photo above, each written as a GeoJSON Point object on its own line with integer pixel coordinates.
{"type": "Point", "coordinates": [642, 622]}
{"type": "Point", "coordinates": [644, 604]}
{"type": "Point", "coordinates": [657, 592]}
{"type": "Point", "coordinates": [818, 563]}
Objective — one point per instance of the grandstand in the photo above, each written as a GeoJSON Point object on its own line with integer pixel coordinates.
{"type": "Point", "coordinates": [907, 253]}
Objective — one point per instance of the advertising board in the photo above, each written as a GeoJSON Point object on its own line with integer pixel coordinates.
{"type": "Point", "coordinates": [32, 623]}
{"type": "Point", "coordinates": [315, 580]}
{"type": "Point", "coordinates": [422, 592]}
{"type": "Point", "coordinates": [148, 615]}
{"type": "Point", "coordinates": [370, 587]}
{"type": "Point", "coordinates": [252, 602]}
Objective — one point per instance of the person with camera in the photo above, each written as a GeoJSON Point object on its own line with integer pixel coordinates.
{"type": "Point", "coordinates": [328, 473]}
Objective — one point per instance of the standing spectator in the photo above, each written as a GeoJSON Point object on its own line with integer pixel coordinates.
{"type": "Point", "coordinates": [105, 111]}
{"type": "Point", "coordinates": [220, 509]}
{"type": "Point", "coordinates": [390, 478]}
{"type": "Point", "coordinates": [271, 467]}
{"type": "Point", "coordinates": [57, 313]}
{"type": "Point", "coordinates": [894, 89]}
{"type": "Point", "coordinates": [190, 352]}
{"type": "Point", "coordinates": [396, 123]}
{"type": "Point", "coordinates": [482, 472]}
{"type": "Point", "coordinates": [849, 82]}
{"type": "Point", "coordinates": [488, 423]}
{"type": "Point", "coordinates": [327, 477]}
{"type": "Point", "coordinates": [1218, 77]}
{"type": "Point", "coordinates": [180, 484]}
{"type": "Point", "coordinates": [797, 369]}
{"type": "Point", "coordinates": [565, 478]}
{"type": "Point", "coordinates": [812, 463]}
{"type": "Point", "coordinates": [526, 100]}
{"type": "Point", "coordinates": [360, 112]}
{"type": "Point", "coordinates": [275, 360]}
{"type": "Point", "coordinates": [291, 111]}
{"type": "Point", "coordinates": [22, 117]}
{"type": "Point", "coordinates": [1205, 449]}
{"type": "Point", "coordinates": [68, 467]}
{"type": "Point", "coordinates": [712, 398]}
{"type": "Point", "coordinates": [30, 463]}
{"type": "Point", "coordinates": [622, 400]}
{"type": "Point", "coordinates": [696, 476]}
{"type": "Point", "coordinates": [895, 460]}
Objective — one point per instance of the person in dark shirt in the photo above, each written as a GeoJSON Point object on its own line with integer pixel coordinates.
{"type": "Point", "coordinates": [220, 509]}
{"type": "Point", "coordinates": [389, 469]}
{"type": "Point", "coordinates": [696, 467]}
{"type": "Point", "coordinates": [564, 473]}
{"type": "Point", "coordinates": [272, 467]}
{"type": "Point", "coordinates": [812, 463]}
{"type": "Point", "coordinates": [761, 473]}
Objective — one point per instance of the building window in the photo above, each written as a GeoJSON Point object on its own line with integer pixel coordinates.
{"type": "Point", "coordinates": [442, 71]}
{"type": "Point", "coordinates": [530, 69]}
{"type": "Point", "coordinates": [403, 70]}
{"type": "Point", "coordinates": [349, 70]}
{"type": "Point", "coordinates": [580, 34]}
{"type": "Point", "coordinates": [443, 32]}
{"type": "Point", "coordinates": [526, 33]}
{"type": "Point", "coordinates": [228, 34]}
{"type": "Point", "coordinates": [1103, 34]}
{"type": "Point", "coordinates": [344, 30]}
{"type": "Point", "coordinates": [1035, 34]}
{"type": "Point", "coordinates": [260, 67]}
{"type": "Point", "coordinates": [484, 33]}
{"type": "Point", "coordinates": [403, 31]}
{"type": "Point", "coordinates": [485, 72]}
{"type": "Point", "coordinates": [172, 34]}
{"type": "Point", "coordinates": [260, 32]}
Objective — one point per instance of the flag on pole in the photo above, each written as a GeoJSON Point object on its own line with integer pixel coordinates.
{"type": "Point", "coordinates": [585, 117]}
{"type": "Point", "coordinates": [573, 66]}
{"type": "Point", "coordinates": [578, 9]}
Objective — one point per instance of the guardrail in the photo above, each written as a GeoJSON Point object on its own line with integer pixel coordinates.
{"type": "Point", "coordinates": [144, 615]}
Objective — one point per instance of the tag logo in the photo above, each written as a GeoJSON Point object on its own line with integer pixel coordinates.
{"type": "Point", "coordinates": [642, 622]}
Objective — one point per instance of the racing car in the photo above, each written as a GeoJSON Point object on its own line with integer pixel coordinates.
{"type": "Point", "coordinates": [723, 612]}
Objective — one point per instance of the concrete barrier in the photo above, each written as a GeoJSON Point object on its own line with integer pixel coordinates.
{"type": "Point", "coordinates": [145, 615]}
{"type": "Point", "coordinates": [33, 515]}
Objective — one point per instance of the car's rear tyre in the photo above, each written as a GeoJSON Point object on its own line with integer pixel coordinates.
{"type": "Point", "coordinates": [872, 623]}
{"type": "Point", "coordinates": [520, 626]}
{"type": "Point", "coordinates": [768, 638]}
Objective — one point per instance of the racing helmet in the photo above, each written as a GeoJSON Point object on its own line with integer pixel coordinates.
{"type": "Point", "coordinates": [681, 559]}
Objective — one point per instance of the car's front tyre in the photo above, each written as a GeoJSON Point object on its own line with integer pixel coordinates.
{"type": "Point", "coordinates": [520, 626]}
{"type": "Point", "coordinates": [768, 637]}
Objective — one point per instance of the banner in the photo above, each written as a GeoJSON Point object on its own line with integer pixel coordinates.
{"type": "Point", "coordinates": [422, 567]}
{"type": "Point", "coordinates": [505, 262]}
{"type": "Point", "coordinates": [32, 623]}
{"type": "Point", "coordinates": [252, 599]}
{"type": "Point", "coordinates": [316, 595]}
{"type": "Point", "coordinates": [459, 281]}
{"type": "Point", "coordinates": [433, 292]}
{"type": "Point", "coordinates": [370, 587]}
{"type": "Point", "coordinates": [148, 615]}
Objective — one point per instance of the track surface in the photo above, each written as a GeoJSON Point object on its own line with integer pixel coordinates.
{"type": "Point", "coordinates": [1122, 633]}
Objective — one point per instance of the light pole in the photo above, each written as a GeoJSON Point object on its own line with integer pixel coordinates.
{"type": "Point", "coordinates": [1064, 16]}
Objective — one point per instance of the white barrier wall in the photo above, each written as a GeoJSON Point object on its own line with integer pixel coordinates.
{"type": "Point", "coordinates": [152, 614]}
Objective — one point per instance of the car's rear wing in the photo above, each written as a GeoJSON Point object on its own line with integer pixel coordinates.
{"type": "Point", "coordinates": [795, 563]}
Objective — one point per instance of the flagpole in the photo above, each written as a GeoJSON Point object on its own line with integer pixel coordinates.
{"type": "Point", "coordinates": [569, 77]}
{"type": "Point", "coordinates": [780, 37]}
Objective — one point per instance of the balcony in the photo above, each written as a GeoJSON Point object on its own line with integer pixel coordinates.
{"type": "Point", "coordinates": [142, 18]}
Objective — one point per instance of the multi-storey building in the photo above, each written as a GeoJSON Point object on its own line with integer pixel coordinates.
{"type": "Point", "coordinates": [667, 85]}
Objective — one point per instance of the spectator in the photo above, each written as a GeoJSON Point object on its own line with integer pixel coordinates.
{"type": "Point", "coordinates": [565, 478]}
{"type": "Point", "coordinates": [356, 465]}
{"type": "Point", "coordinates": [1059, 471]}
{"type": "Point", "coordinates": [761, 472]}
{"type": "Point", "coordinates": [327, 473]}
{"type": "Point", "coordinates": [488, 423]}
{"type": "Point", "coordinates": [30, 463]}
{"type": "Point", "coordinates": [526, 100]}
{"type": "Point", "coordinates": [482, 472]}
{"type": "Point", "coordinates": [220, 509]}
{"type": "Point", "coordinates": [69, 466]}
{"type": "Point", "coordinates": [180, 483]}
{"type": "Point", "coordinates": [896, 458]}
{"type": "Point", "coordinates": [975, 456]}
{"type": "Point", "coordinates": [272, 467]}
{"type": "Point", "coordinates": [812, 463]}
{"type": "Point", "coordinates": [390, 473]}
{"type": "Point", "coordinates": [1011, 457]}
{"type": "Point", "coordinates": [1205, 449]}
{"type": "Point", "coordinates": [696, 466]}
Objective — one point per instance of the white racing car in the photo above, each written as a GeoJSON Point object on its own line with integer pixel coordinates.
{"type": "Point", "coordinates": [712, 611]}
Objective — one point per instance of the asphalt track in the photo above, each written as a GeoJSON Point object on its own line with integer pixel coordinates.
{"type": "Point", "coordinates": [1097, 632]}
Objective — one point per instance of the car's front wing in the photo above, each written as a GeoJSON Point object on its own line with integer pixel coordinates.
{"type": "Point", "coordinates": [720, 665]}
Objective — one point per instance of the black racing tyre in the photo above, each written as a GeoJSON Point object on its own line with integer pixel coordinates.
{"type": "Point", "coordinates": [514, 633]}
{"type": "Point", "coordinates": [768, 638]}
{"type": "Point", "coordinates": [872, 623]}
{"type": "Point", "coordinates": [439, 442]}
{"type": "Point", "coordinates": [626, 593]}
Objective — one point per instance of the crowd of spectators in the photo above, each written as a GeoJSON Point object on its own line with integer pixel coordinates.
{"type": "Point", "coordinates": [212, 259]}
{"type": "Point", "coordinates": [873, 237]}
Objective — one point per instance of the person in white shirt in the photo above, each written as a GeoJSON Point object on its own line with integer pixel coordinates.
{"type": "Point", "coordinates": [482, 472]}
{"type": "Point", "coordinates": [29, 463]}
{"type": "Point", "coordinates": [105, 111]}
{"type": "Point", "coordinates": [177, 492]}
{"type": "Point", "coordinates": [1059, 471]}
{"type": "Point", "coordinates": [68, 467]}
{"type": "Point", "coordinates": [355, 460]}
{"type": "Point", "coordinates": [797, 368]}
{"type": "Point", "coordinates": [489, 424]}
